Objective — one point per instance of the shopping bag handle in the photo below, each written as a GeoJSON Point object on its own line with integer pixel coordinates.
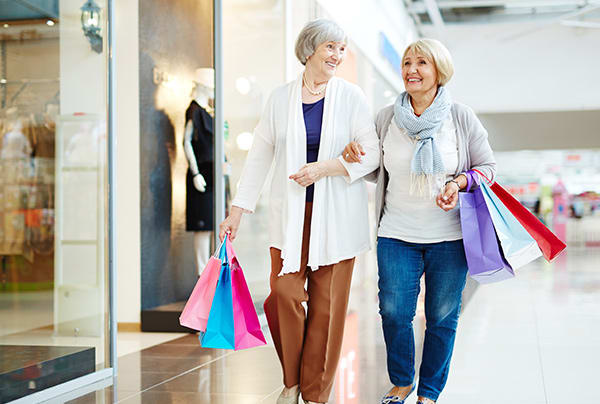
{"type": "Point", "coordinates": [471, 180]}
{"type": "Point", "coordinates": [480, 173]}
{"type": "Point", "coordinates": [232, 256]}
{"type": "Point", "coordinates": [216, 253]}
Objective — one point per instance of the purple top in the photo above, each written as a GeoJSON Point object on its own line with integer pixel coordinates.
{"type": "Point", "coordinates": [313, 118]}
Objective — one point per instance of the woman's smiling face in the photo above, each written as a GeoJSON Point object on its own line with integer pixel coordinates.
{"type": "Point", "coordinates": [419, 73]}
{"type": "Point", "coordinates": [327, 57]}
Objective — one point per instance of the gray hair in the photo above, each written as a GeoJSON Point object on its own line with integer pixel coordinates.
{"type": "Point", "coordinates": [314, 34]}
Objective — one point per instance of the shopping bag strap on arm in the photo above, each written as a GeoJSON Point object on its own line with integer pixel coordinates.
{"type": "Point", "coordinates": [480, 173]}
{"type": "Point", "coordinates": [472, 179]}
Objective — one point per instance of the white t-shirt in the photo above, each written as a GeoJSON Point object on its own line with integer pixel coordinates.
{"type": "Point", "coordinates": [415, 218]}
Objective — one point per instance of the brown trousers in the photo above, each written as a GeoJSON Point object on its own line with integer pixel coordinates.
{"type": "Point", "coordinates": [308, 346]}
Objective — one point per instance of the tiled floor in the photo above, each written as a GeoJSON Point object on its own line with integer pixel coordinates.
{"type": "Point", "coordinates": [127, 342]}
{"type": "Point", "coordinates": [130, 342]}
{"type": "Point", "coordinates": [531, 340]}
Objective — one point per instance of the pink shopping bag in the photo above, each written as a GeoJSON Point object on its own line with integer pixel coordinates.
{"type": "Point", "coordinates": [247, 327]}
{"type": "Point", "coordinates": [196, 310]}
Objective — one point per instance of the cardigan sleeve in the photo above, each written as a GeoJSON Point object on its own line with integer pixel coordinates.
{"type": "Point", "coordinates": [258, 162]}
{"type": "Point", "coordinates": [380, 126]}
{"type": "Point", "coordinates": [480, 152]}
{"type": "Point", "coordinates": [363, 132]}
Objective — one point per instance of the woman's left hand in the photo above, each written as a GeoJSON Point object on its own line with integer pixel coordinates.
{"type": "Point", "coordinates": [448, 199]}
{"type": "Point", "coordinates": [309, 174]}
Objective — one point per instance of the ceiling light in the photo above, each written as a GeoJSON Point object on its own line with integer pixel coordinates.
{"type": "Point", "coordinates": [6, 25]}
{"type": "Point", "coordinates": [50, 23]}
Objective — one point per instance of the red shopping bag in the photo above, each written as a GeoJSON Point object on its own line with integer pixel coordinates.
{"type": "Point", "coordinates": [248, 333]}
{"type": "Point", "coordinates": [196, 310]}
{"type": "Point", "coordinates": [548, 242]}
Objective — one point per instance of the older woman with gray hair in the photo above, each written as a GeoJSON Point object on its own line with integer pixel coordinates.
{"type": "Point", "coordinates": [318, 219]}
{"type": "Point", "coordinates": [427, 141]}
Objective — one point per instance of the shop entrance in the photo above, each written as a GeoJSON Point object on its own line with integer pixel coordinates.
{"type": "Point", "coordinates": [53, 194]}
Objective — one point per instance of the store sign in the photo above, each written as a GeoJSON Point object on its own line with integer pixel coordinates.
{"type": "Point", "coordinates": [347, 378]}
{"type": "Point", "coordinates": [388, 52]}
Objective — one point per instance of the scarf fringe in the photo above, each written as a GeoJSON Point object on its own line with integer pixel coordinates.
{"type": "Point", "coordinates": [426, 185]}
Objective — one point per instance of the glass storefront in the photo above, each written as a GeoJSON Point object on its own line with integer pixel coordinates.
{"type": "Point", "coordinates": [54, 278]}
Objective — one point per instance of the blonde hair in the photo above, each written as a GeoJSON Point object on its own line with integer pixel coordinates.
{"type": "Point", "coordinates": [438, 53]}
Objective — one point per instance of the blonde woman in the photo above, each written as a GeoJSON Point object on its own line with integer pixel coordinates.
{"type": "Point", "coordinates": [426, 141]}
{"type": "Point", "coordinates": [318, 219]}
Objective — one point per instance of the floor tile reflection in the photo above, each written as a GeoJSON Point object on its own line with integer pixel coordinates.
{"type": "Point", "coordinates": [533, 339]}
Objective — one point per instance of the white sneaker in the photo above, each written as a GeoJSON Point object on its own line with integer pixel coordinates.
{"type": "Point", "coordinates": [293, 399]}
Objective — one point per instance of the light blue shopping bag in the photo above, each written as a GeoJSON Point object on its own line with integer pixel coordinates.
{"type": "Point", "coordinates": [518, 246]}
{"type": "Point", "coordinates": [220, 332]}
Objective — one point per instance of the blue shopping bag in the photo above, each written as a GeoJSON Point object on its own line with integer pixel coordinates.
{"type": "Point", "coordinates": [484, 257]}
{"type": "Point", "coordinates": [220, 332]}
{"type": "Point", "coordinates": [518, 246]}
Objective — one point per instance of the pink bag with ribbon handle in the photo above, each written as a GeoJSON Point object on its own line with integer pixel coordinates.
{"type": "Point", "coordinates": [196, 310]}
{"type": "Point", "coordinates": [247, 327]}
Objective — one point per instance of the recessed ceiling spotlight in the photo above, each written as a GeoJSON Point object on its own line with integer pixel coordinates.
{"type": "Point", "coordinates": [50, 23]}
{"type": "Point", "coordinates": [6, 25]}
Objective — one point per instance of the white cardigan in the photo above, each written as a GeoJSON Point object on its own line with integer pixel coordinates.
{"type": "Point", "coordinates": [339, 224]}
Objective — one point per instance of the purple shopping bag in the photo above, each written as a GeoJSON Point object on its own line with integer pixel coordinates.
{"type": "Point", "coordinates": [484, 256]}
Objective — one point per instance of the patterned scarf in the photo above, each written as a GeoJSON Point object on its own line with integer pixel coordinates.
{"type": "Point", "coordinates": [427, 168]}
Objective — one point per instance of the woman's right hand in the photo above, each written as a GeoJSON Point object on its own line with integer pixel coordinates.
{"type": "Point", "coordinates": [352, 152]}
{"type": "Point", "coordinates": [231, 224]}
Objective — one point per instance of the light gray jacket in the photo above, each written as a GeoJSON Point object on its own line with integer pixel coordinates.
{"type": "Point", "coordinates": [474, 151]}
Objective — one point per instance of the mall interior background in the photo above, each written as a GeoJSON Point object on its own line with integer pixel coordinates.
{"type": "Point", "coordinates": [530, 78]}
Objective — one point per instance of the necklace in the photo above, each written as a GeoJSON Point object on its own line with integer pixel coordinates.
{"type": "Point", "coordinates": [309, 89]}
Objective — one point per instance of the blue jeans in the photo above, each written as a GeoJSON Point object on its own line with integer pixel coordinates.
{"type": "Point", "coordinates": [401, 265]}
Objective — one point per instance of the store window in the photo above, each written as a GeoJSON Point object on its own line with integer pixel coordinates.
{"type": "Point", "coordinates": [53, 193]}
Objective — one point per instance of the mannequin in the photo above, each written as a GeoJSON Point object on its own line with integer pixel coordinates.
{"type": "Point", "coordinates": [198, 147]}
